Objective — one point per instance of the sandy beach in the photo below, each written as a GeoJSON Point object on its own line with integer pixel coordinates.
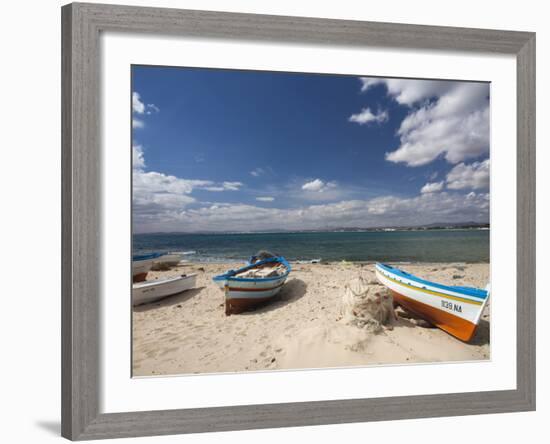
{"type": "Point", "coordinates": [302, 328]}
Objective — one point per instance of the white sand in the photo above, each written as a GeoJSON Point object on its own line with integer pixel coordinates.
{"type": "Point", "coordinates": [302, 328]}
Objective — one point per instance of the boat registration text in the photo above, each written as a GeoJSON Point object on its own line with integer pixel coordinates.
{"type": "Point", "coordinates": [451, 306]}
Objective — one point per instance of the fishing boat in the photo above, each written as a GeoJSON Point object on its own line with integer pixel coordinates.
{"type": "Point", "coordinates": [253, 284]}
{"type": "Point", "coordinates": [141, 264]}
{"type": "Point", "coordinates": [454, 309]}
{"type": "Point", "coordinates": [170, 259]}
{"type": "Point", "coordinates": [149, 291]}
{"type": "Point", "coordinates": [166, 261]}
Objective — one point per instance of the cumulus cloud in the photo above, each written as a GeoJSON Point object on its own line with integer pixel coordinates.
{"type": "Point", "coordinates": [409, 91]}
{"type": "Point", "coordinates": [163, 202]}
{"type": "Point", "coordinates": [314, 185]}
{"type": "Point", "coordinates": [474, 176]}
{"type": "Point", "coordinates": [156, 196]}
{"type": "Point", "coordinates": [138, 161]}
{"type": "Point", "coordinates": [446, 118]}
{"type": "Point", "coordinates": [366, 116]}
{"type": "Point", "coordinates": [318, 186]}
{"type": "Point", "coordinates": [432, 187]}
{"type": "Point", "coordinates": [368, 82]}
{"type": "Point", "coordinates": [141, 109]}
{"type": "Point", "coordinates": [137, 105]}
{"type": "Point", "coordinates": [380, 211]}
{"type": "Point", "coordinates": [154, 182]}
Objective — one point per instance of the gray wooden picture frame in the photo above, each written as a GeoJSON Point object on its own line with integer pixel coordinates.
{"type": "Point", "coordinates": [81, 172]}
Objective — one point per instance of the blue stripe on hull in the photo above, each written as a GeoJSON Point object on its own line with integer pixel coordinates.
{"type": "Point", "coordinates": [466, 291]}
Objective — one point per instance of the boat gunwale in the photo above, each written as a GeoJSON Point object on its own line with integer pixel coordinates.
{"type": "Point", "coordinates": [166, 280]}
{"type": "Point", "coordinates": [230, 275]}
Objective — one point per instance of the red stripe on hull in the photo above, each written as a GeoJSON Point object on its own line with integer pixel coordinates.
{"type": "Point", "coordinates": [255, 288]}
{"type": "Point", "coordinates": [454, 325]}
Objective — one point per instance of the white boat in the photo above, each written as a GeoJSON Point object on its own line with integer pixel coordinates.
{"type": "Point", "coordinates": [454, 309]}
{"type": "Point", "coordinates": [141, 265]}
{"type": "Point", "coordinates": [310, 261]}
{"type": "Point", "coordinates": [149, 291]}
{"type": "Point", "coordinates": [169, 259]}
{"type": "Point", "coordinates": [166, 261]}
{"type": "Point", "coordinates": [253, 284]}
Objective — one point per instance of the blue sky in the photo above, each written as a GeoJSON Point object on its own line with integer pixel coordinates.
{"type": "Point", "coordinates": [223, 150]}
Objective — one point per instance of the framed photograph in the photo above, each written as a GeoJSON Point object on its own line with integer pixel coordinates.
{"type": "Point", "coordinates": [279, 221]}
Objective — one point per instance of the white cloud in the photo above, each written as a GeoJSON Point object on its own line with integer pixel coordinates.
{"type": "Point", "coordinates": [368, 82]}
{"type": "Point", "coordinates": [151, 109]}
{"type": "Point", "coordinates": [257, 172]}
{"type": "Point", "coordinates": [138, 161]}
{"type": "Point", "coordinates": [232, 186]}
{"type": "Point", "coordinates": [432, 187]}
{"type": "Point", "coordinates": [153, 182]}
{"type": "Point", "coordinates": [366, 116]}
{"type": "Point", "coordinates": [224, 186]}
{"type": "Point", "coordinates": [314, 185]}
{"type": "Point", "coordinates": [155, 194]}
{"type": "Point", "coordinates": [409, 91]}
{"type": "Point", "coordinates": [265, 199]}
{"type": "Point", "coordinates": [137, 105]}
{"type": "Point", "coordinates": [380, 211]}
{"type": "Point", "coordinates": [318, 186]}
{"type": "Point", "coordinates": [447, 118]}
{"type": "Point", "coordinates": [158, 196]}
{"type": "Point", "coordinates": [140, 108]}
{"type": "Point", "coordinates": [474, 176]}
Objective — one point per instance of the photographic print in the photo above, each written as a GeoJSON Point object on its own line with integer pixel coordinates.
{"type": "Point", "coordinates": [300, 221]}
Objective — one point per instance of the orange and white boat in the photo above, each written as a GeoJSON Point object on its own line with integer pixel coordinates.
{"type": "Point", "coordinates": [454, 309]}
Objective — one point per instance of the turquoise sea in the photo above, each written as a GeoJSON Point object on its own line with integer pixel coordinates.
{"type": "Point", "coordinates": [393, 246]}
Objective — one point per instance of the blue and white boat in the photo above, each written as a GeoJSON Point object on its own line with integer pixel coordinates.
{"type": "Point", "coordinates": [253, 284]}
{"type": "Point", "coordinates": [456, 310]}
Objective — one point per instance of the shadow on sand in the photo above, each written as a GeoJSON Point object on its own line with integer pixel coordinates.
{"type": "Point", "coordinates": [178, 298]}
{"type": "Point", "coordinates": [483, 333]}
{"type": "Point", "coordinates": [293, 290]}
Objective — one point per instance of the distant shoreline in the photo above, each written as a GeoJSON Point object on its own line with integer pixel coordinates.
{"type": "Point", "coordinates": [366, 230]}
{"type": "Point", "coordinates": [237, 261]}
